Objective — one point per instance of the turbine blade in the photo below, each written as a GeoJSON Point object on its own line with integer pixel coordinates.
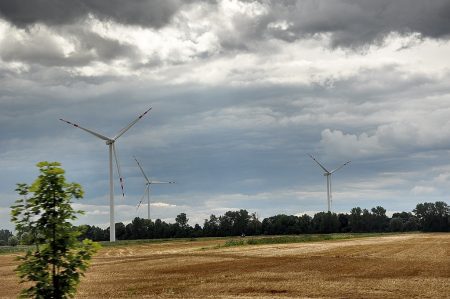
{"type": "Point", "coordinates": [333, 171]}
{"type": "Point", "coordinates": [121, 132]}
{"type": "Point", "coordinates": [139, 204]}
{"type": "Point", "coordinates": [118, 170]}
{"type": "Point", "coordinates": [321, 166]}
{"type": "Point", "coordinates": [142, 198]}
{"type": "Point", "coordinates": [160, 182]}
{"type": "Point", "coordinates": [142, 170]}
{"type": "Point", "coordinates": [87, 130]}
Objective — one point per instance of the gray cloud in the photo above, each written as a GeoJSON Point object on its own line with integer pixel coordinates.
{"type": "Point", "coordinates": [102, 48]}
{"type": "Point", "coordinates": [22, 13]}
{"type": "Point", "coordinates": [43, 46]}
{"type": "Point", "coordinates": [245, 134]}
{"type": "Point", "coordinates": [245, 26]}
{"type": "Point", "coordinates": [350, 24]}
{"type": "Point", "coordinates": [355, 23]}
{"type": "Point", "coordinates": [232, 128]}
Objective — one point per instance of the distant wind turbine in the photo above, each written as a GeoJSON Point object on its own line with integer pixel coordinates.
{"type": "Point", "coordinates": [112, 150]}
{"type": "Point", "coordinates": [328, 175]}
{"type": "Point", "coordinates": [147, 188]}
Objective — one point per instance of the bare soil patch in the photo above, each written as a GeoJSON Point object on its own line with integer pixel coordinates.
{"type": "Point", "coordinates": [401, 266]}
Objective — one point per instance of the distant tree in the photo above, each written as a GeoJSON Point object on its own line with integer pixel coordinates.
{"type": "Point", "coordinates": [181, 227]}
{"type": "Point", "coordinates": [5, 234]}
{"type": "Point", "coordinates": [366, 221]}
{"type": "Point", "coordinates": [150, 225]}
{"type": "Point", "coordinates": [344, 221]}
{"type": "Point", "coordinates": [226, 223]}
{"type": "Point", "coordinates": [396, 224]}
{"type": "Point", "coordinates": [241, 222]}
{"type": "Point", "coordinates": [211, 227]}
{"type": "Point", "coordinates": [304, 224]}
{"type": "Point", "coordinates": [120, 231]}
{"type": "Point", "coordinates": [277, 225]}
{"type": "Point", "coordinates": [325, 223]}
{"type": "Point", "coordinates": [139, 228]}
{"type": "Point", "coordinates": [433, 216]}
{"type": "Point", "coordinates": [254, 226]}
{"type": "Point", "coordinates": [13, 241]}
{"type": "Point", "coordinates": [409, 221]}
{"type": "Point", "coordinates": [182, 220]}
{"type": "Point", "coordinates": [355, 220]}
{"type": "Point", "coordinates": [286, 224]}
{"type": "Point", "coordinates": [96, 233]}
{"type": "Point", "coordinates": [234, 223]}
{"type": "Point", "coordinates": [270, 225]}
{"type": "Point", "coordinates": [290, 224]}
{"type": "Point", "coordinates": [404, 216]}
{"type": "Point", "coordinates": [89, 232]}
{"type": "Point", "coordinates": [411, 224]}
{"type": "Point", "coordinates": [197, 232]}
{"type": "Point", "coordinates": [55, 265]}
{"type": "Point", "coordinates": [380, 221]}
{"type": "Point", "coordinates": [162, 229]}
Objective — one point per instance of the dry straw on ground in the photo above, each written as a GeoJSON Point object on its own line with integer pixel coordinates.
{"type": "Point", "coordinates": [402, 266]}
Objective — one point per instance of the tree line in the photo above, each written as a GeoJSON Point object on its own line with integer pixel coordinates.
{"type": "Point", "coordinates": [426, 217]}
{"type": "Point", "coordinates": [6, 237]}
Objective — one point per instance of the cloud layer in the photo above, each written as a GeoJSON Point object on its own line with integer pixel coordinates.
{"type": "Point", "coordinates": [240, 90]}
{"type": "Point", "coordinates": [24, 13]}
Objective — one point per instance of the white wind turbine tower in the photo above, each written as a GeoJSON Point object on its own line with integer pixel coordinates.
{"type": "Point", "coordinates": [112, 150]}
{"type": "Point", "coordinates": [147, 188]}
{"type": "Point", "coordinates": [328, 175]}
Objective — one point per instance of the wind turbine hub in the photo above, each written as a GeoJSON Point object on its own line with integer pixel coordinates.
{"type": "Point", "coordinates": [108, 142]}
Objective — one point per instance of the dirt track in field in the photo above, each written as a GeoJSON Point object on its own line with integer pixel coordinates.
{"type": "Point", "coordinates": [402, 266]}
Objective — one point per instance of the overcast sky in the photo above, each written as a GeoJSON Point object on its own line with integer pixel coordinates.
{"type": "Point", "coordinates": [241, 91]}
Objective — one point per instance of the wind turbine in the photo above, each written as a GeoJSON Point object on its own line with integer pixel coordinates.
{"type": "Point", "coordinates": [147, 188]}
{"type": "Point", "coordinates": [112, 151]}
{"type": "Point", "coordinates": [328, 175]}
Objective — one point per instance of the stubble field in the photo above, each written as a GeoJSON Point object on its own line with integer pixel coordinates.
{"type": "Point", "coordinates": [396, 266]}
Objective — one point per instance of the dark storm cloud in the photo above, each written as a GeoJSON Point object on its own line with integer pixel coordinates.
{"type": "Point", "coordinates": [354, 23]}
{"type": "Point", "coordinates": [41, 48]}
{"type": "Point", "coordinates": [350, 23]}
{"type": "Point", "coordinates": [154, 13]}
{"type": "Point", "coordinates": [103, 47]}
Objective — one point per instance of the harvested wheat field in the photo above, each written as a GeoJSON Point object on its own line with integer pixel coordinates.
{"type": "Point", "coordinates": [395, 266]}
